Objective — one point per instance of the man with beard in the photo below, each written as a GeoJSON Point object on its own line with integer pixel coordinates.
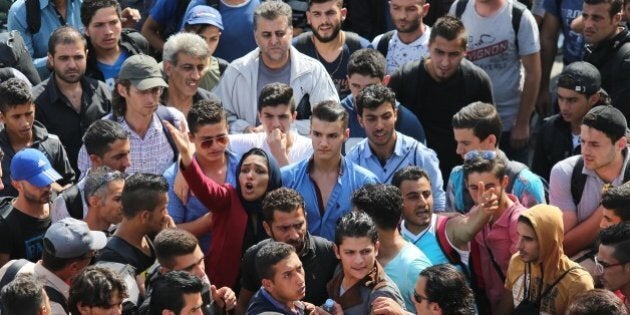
{"type": "Point", "coordinates": [103, 190]}
{"type": "Point", "coordinates": [26, 218]}
{"type": "Point", "coordinates": [68, 101]}
{"type": "Point", "coordinates": [17, 112]}
{"type": "Point", "coordinates": [285, 221]}
{"type": "Point", "coordinates": [144, 200]}
{"type": "Point", "coordinates": [611, 265]}
{"type": "Point", "coordinates": [410, 40]}
{"type": "Point", "coordinates": [328, 43]}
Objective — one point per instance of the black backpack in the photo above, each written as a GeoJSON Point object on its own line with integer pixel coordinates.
{"type": "Point", "coordinates": [517, 12]}
{"type": "Point", "coordinates": [13, 53]}
{"type": "Point", "coordinates": [578, 180]}
{"type": "Point", "coordinates": [383, 44]}
{"type": "Point", "coordinates": [74, 204]}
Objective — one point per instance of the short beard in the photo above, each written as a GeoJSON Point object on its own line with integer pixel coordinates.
{"type": "Point", "coordinates": [413, 26]}
{"type": "Point", "coordinates": [336, 29]}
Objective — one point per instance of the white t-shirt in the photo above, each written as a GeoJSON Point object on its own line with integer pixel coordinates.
{"type": "Point", "coordinates": [302, 147]}
{"type": "Point", "coordinates": [399, 53]}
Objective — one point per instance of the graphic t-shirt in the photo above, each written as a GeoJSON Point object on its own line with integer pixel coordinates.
{"type": "Point", "coordinates": [110, 72]}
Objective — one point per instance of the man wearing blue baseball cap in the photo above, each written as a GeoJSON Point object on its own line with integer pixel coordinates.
{"type": "Point", "coordinates": [25, 219]}
{"type": "Point", "coordinates": [68, 247]}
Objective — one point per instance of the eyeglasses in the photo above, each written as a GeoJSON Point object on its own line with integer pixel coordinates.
{"type": "Point", "coordinates": [208, 142]}
{"type": "Point", "coordinates": [418, 297]}
{"type": "Point", "coordinates": [600, 267]}
{"type": "Point", "coordinates": [486, 155]}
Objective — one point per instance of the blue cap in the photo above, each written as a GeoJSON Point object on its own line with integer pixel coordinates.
{"type": "Point", "coordinates": [32, 166]}
{"type": "Point", "coordinates": [203, 14]}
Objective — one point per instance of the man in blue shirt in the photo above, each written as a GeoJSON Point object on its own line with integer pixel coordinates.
{"type": "Point", "coordinates": [327, 179]}
{"type": "Point", "coordinates": [386, 150]}
{"type": "Point", "coordinates": [367, 67]}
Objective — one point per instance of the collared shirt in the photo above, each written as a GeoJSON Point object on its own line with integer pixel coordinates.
{"type": "Point", "coordinates": [151, 154]}
{"type": "Point", "coordinates": [37, 44]}
{"type": "Point", "coordinates": [46, 278]}
{"type": "Point", "coordinates": [351, 177]}
{"type": "Point", "coordinates": [194, 209]}
{"type": "Point", "coordinates": [56, 112]}
{"type": "Point", "coordinates": [407, 151]}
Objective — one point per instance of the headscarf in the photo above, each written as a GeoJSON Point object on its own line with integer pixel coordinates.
{"type": "Point", "coordinates": [275, 180]}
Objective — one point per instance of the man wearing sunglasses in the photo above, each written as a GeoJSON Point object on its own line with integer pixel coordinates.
{"type": "Point", "coordinates": [612, 264]}
{"type": "Point", "coordinates": [434, 282]}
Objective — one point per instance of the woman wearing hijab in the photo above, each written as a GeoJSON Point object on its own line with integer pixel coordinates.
{"type": "Point", "coordinates": [237, 214]}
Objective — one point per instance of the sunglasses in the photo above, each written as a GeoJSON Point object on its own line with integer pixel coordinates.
{"type": "Point", "coordinates": [486, 155]}
{"type": "Point", "coordinates": [418, 297]}
{"type": "Point", "coordinates": [208, 142]}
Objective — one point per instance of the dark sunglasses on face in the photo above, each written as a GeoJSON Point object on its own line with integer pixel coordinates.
{"type": "Point", "coordinates": [208, 142]}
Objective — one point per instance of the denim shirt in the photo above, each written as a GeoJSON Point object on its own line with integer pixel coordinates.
{"type": "Point", "coordinates": [37, 44]}
{"type": "Point", "coordinates": [407, 151]}
{"type": "Point", "coordinates": [351, 177]}
{"type": "Point", "coordinates": [181, 212]}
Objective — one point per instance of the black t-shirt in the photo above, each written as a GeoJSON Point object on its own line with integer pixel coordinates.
{"type": "Point", "coordinates": [22, 235]}
{"type": "Point", "coordinates": [435, 103]}
{"type": "Point", "coordinates": [318, 260]}
{"type": "Point", "coordinates": [120, 251]}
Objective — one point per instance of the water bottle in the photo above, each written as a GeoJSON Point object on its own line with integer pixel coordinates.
{"type": "Point", "coordinates": [328, 306]}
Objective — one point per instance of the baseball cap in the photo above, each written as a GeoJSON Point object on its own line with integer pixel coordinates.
{"type": "Point", "coordinates": [143, 72]}
{"type": "Point", "coordinates": [32, 166]}
{"type": "Point", "coordinates": [606, 119]}
{"type": "Point", "coordinates": [582, 77]}
{"type": "Point", "coordinates": [203, 14]}
{"type": "Point", "coordinates": [71, 238]}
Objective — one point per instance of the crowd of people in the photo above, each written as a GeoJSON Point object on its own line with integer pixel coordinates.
{"type": "Point", "coordinates": [314, 157]}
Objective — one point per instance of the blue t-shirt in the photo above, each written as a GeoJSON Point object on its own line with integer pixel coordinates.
{"type": "Point", "coordinates": [573, 48]}
{"type": "Point", "coordinates": [404, 270]}
{"type": "Point", "coordinates": [110, 72]}
{"type": "Point", "coordinates": [237, 38]}
{"type": "Point", "coordinates": [164, 13]}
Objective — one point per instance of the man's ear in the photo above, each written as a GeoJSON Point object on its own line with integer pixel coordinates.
{"type": "Point", "coordinates": [267, 228]}
{"type": "Point", "coordinates": [336, 249]}
{"type": "Point", "coordinates": [268, 284]}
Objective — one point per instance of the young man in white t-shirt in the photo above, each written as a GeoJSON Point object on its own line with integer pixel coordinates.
{"type": "Point", "coordinates": [276, 113]}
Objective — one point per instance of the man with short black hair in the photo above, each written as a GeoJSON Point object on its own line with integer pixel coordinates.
{"type": "Point", "coordinates": [597, 301]}
{"type": "Point", "coordinates": [176, 292]}
{"type": "Point", "coordinates": [611, 264]}
{"type": "Point", "coordinates": [328, 43]}
{"type": "Point", "coordinates": [615, 202]}
{"type": "Point", "coordinates": [21, 130]}
{"type": "Point", "coordinates": [578, 90]}
{"type": "Point", "coordinates": [386, 150]}
{"type": "Point", "coordinates": [144, 200]}
{"type": "Point", "coordinates": [276, 113]}
{"type": "Point", "coordinates": [602, 164]}
{"type": "Point", "coordinates": [434, 282]}
{"type": "Point", "coordinates": [68, 247]}
{"type": "Point", "coordinates": [285, 221]}
{"type": "Point", "coordinates": [96, 290]}
{"type": "Point", "coordinates": [608, 48]}
{"type": "Point", "coordinates": [327, 179]}
{"type": "Point", "coordinates": [24, 296]}
{"type": "Point", "coordinates": [68, 102]}
{"type": "Point", "coordinates": [108, 46]}
{"type": "Point", "coordinates": [426, 86]}
{"type": "Point", "coordinates": [283, 281]}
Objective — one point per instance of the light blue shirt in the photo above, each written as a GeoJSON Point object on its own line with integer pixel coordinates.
{"type": "Point", "coordinates": [404, 270]}
{"type": "Point", "coordinates": [351, 177]}
{"type": "Point", "coordinates": [182, 213]}
{"type": "Point", "coordinates": [407, 151]}
{"type": "Point", "coordinates": [37, 44]}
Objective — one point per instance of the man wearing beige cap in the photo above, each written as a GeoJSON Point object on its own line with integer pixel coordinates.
{"type": "Point", "coordinates": [135, 105]}
{"type": "Point", "coordinates": [69, 247]}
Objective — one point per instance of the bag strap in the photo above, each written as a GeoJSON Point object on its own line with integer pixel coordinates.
{"type": "Point", "coordinates": [578, 181]}
{"type": "Point", "coordinates": [514, 168]}
{"type": "Point", "coordinates": [57, 297]}
{"type": "Point", "coordinates": [74, 204]}
{"type": "Point", "coordinates": [164, 114]}
{"type": "Point", "coordinates": [460, 8]}
{"type": "Point", "coordinates": [12, 271]}
{"type": "Point", "coordinates": [33, 16]}
{"type": "Point", "coordinates": [383, 44]}
{"type": "Point", "coordinates": [548, 289]}
{"type": "Point", "coordinates": [496, 266]}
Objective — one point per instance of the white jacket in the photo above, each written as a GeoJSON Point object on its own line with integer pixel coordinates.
{"type": "Point", "coordinates": [238, 87]}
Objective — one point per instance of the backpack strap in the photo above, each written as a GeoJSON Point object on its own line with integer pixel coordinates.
{"type": "Point", "coordinates": [164, 114]}
{"type": "Point", "coordinates": [578, 181]}
{"type": "Point", "coordinates": [517, 12]}
{"type": "Point", "coordinates": [548, 289]}
{"type": "Point", "coordinates": [383, 44]}
{"type": "Point", "coordinates": [33, 16]}
{"type": "Point", "coordinates": [57, 297]}
{"type": "Point", "coordinates": [12, 271]}
{"type": "Point", "coordinates": [353, 40]}
{"type": "Point", "coordinates": [6, 74]}
{"type": "Point", "coordinates": [74, 204]}
{"type": "Point", "coordinates": [223, 64]}
{"type": "Point", "coordinates": [514, 168]}
{"type": "Point", "coordinates": [445, 246]}
{"type": "Point", "coordinates": [460, 8]}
